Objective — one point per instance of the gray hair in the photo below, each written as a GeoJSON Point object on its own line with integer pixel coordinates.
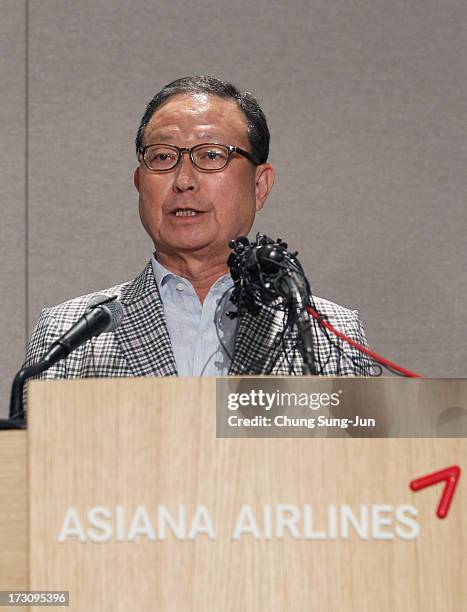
{"type": "Point", "coordinates": [258, 131]}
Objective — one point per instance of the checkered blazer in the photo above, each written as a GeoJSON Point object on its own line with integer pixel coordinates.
{"type": "Point", "coordinates": [141, 345]}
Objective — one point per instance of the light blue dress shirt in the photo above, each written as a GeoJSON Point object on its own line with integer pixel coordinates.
{"type": "Point", "coordinates": [191, 325]}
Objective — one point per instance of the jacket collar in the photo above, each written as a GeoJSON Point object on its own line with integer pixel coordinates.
{"type": "Point", "coordinates": [143, 335]}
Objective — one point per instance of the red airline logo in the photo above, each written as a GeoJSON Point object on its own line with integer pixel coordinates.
{"type": "Point", "coordinates": [451, 476]}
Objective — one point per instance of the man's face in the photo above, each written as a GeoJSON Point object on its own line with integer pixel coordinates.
{"type": "Point", "coordinates": [225, 202]}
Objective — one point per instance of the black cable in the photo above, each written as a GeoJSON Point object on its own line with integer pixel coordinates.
{"type": "Point", "coordinates": [217, 318]}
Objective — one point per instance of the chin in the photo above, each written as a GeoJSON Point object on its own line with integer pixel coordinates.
{"type": "Point", "coordinates": [209, 247]}
{"type": "Point", "coordinates": [188, 241]}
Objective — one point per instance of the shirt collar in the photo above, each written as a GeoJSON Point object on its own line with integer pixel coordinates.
{"type": "Point", "coordinates": [162, 275]}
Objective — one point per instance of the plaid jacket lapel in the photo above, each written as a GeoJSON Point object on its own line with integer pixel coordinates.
{"type": "Point", "coordinates": [143, 335]}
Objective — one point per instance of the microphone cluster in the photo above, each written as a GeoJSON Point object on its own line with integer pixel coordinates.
{"type": "Point", "coordinates": [265, 272]}
{"type": "Point", "coordinates": [262, 271]}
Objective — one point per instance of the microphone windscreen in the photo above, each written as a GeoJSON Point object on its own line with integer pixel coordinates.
{"type": "Point", "coordinates": [113, 308]}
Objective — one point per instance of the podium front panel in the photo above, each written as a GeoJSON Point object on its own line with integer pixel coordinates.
{"type": "Point", "coordinates": [137, 505]}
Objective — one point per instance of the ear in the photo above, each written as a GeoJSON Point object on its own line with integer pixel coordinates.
{"type": "Point", "coordinates": [264, 180]}
{"type": "Point", "coordinates": [136, 178]}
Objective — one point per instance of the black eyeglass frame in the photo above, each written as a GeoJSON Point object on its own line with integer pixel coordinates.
{"type": "Point", "coordinates": [180, 150]}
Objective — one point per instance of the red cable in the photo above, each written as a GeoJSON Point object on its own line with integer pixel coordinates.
{"type": "Point", "coordinates": [360, 347]}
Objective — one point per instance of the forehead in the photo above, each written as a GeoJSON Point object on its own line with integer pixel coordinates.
{"type": "Point", "coordinates": [198, 117]}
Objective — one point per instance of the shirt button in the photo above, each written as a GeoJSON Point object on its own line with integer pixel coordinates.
{"type": "Point", "coordinates": [205, 336]}
{"type": "Point", "coordinates": [180, 286]}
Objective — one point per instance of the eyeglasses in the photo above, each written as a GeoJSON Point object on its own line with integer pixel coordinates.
{"type": "Point", "coordinates": [208, 157]}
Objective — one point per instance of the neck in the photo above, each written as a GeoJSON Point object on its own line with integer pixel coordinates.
{"type": "Point", "coordinates": [201, 273]}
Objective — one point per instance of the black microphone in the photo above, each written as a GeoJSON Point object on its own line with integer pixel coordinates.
{"type": "Point", "coordinates": [102, 314]}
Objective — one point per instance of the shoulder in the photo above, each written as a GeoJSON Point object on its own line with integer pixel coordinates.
{"type": "Point", "coordinates": [54, 321]}
{"type": "Point", "coordinates": [334, 312]}
{"type": "Point", "coordinates": [343, 319]}
{"type": "Point", "coordinates": [67, 312]}
{"type": "Point", "coordinates": [60, 317]}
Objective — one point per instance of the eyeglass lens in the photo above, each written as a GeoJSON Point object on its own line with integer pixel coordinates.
{"type": "Point", "coordinates": [205, 157]}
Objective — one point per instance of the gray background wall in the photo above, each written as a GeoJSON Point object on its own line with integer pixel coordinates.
{"type": "Point", "coordinates": [371, 93]}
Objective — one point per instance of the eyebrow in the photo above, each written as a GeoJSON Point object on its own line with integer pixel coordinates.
{"type": "Point", "coordinates": [168, 138]}
{"type": "Point", "coordinates": [162, 138]}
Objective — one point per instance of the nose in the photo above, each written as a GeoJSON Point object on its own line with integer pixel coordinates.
{"type": "Point", "coordinates": [185, 175]}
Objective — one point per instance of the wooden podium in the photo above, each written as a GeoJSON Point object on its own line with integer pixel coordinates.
{"type": "Point", "coordinates": [121, 493]}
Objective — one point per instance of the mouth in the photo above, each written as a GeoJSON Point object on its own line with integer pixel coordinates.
{"type": "Point", "coordinates": [186, 212]}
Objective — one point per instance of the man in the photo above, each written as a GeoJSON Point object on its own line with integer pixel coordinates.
{"type": "Point", "coordinates": [202, 148]}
